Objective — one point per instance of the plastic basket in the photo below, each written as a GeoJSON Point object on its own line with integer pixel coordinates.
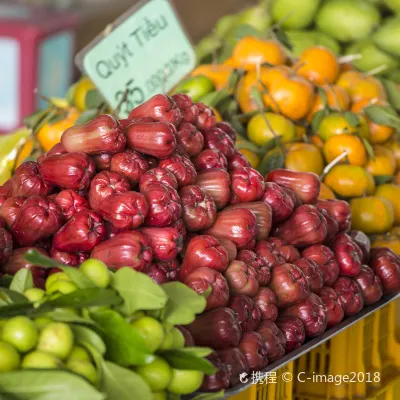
{"type": "Point", "coordinates": [368, 347]}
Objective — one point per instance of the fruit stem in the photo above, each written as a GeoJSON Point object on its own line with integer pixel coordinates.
{"type": "Point", "coordinates": [349, 58]}
{"type": "Point", "coordinates": [377, 70]}
{"type": "Point", "coordinates": [332, 164]}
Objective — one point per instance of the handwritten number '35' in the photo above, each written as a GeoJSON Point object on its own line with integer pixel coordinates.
{"type": "Point", "coordinates": [131, 97]}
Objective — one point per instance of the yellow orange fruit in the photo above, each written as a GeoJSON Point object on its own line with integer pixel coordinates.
{"type": "Point", "coordinates": [351, 144]}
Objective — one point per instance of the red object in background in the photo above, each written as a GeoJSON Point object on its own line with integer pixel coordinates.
{"type": "Point", "coordinates": [35, 44]}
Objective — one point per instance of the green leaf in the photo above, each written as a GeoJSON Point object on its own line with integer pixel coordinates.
{"type": "Point", "coordinates": [317, 119]}
{"type": "Point", "coordinates": [183, 304]}
{"type": "Point", "coordinates": [47, 385]}
{"type": "Point", "coordinates": [352, 119]}
{"type": "Point", "coordinates": [262, 151]}
{"type": "Point", "coordinates": [71, 93]}
{"type": "Point", "coordinates": [90, 297]}
{"type": "Point", "coordinates": [233, 80]}
{"type": "Point", "coordinates": [212, 99]}
{"type": "Point", "coordinates": [383, 116]}
{"type": "Point", "coordinates": [22, 280]}
{"type": "Point", "coordinates": [393, 92]}
{"type": "Point", "coordinates": [368, 147]}
{"type": "Point", "coordinates": [65, 315]}
{"type": "Point", "coordinates": [381, 179]}
{"type": "Point", "coordinates": [5, 280]}
{"type": "Point", "coordinates": [14, 296]}
{"type": "Point", "coordinates": [257, 97]}
{"type": "Point", "coordinates": [78, 277]}
{"type": "Point", "coordinates": [247, 145]}
{"type": "Point", "coordinates": [124, 344]}
{"type": "Point", "coordinates": [13, 310]}
{"type": "Point", "coordinates": [198, 351]}
{"type": "Point", "coordinates": [244, 30]}
{"type": "Point", "coordinates": [93, 99]}
{"type": "Point", "coordinates": [85, 335]}
{"type": "Point", "coordinates": [36, 258]}
{"type": "Point", "coordinates": [138, 291]}
{"type": "Point", "coordinates": [210, 396]}
{"type": "Point", "coordinates": [272, 161]}
{"type": "Point", "coordinates": [59, 116]}
{"type": "Point", "coordinates": [322, 95]}
{"type": "Point", "coordinates": [31, 121]}
{"type": "Point", "coordinates": [86, 116]}
{"type": "Point", "coordinates": [181, 359]}
{"type": "Point", "coordinates": [123, 384]}
{"type": "Point", "coordinates": [282, 37]}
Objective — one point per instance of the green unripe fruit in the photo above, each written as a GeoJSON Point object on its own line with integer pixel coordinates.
{"type": "Point", "coordinates": [57, 339]}
{"type": "Point", "coordinates": [41, 322]}
{"type": "Point", "coordinates": [185, 381]}
{"type": "Point", "coordinates": [157, 374]}
{"type": "Point", "coordinates": [78, 353]}
{"type": "Point", "coordinates": [83, 368]}
{"type": "Point", "coordinates": [9, 358]}
{"type": "Point", "coordinates": [61, 286]}
{"type": "Point", "coordinates": [21, 333]}
{"type": "Point", "coordinates": [34, 294]}
{"type": "Point", "coordinates": [55, 277]}
{"type": "Point", "coordinates": [387, 36]}
{"type": "Point", "coordinates": [151, 330]}
{"type": "Point", "coordinates": [40, 360]}
{"type": "Point", "coordinates": [97, 272]}
{"type": "Point", "coordinates": [195, 87]}
{"type": "Point", "coordinates": [168, 341]}
{"type": "Point", "coordinates": [293, 16]}
{"type": "Point", "coordinates": [159, 396]}
{"type": "Point", "coordinates": [178, 340]}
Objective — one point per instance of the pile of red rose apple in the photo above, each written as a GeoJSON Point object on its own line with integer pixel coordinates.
{"type": "Point", "coordinates": [166, 193]}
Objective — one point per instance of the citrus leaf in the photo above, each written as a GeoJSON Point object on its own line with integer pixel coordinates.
{"type": "Point", "coordinates": [13, 296]}
{"type": "Point", "coordinates": [34, 119]}
{"type": "Point", "coordinates": [85, 335]}
{"type": "Point", "coordinates": [317, 119]}
{"type": "Point", "coordinates": [383, 116]}
{"type": "Point", "coordinates": [393, 92]}
{"type": "Point", "coordinates": [198, 351]}
{"type": "Point", "coordinates": [66, 315]}
{"type": "Point", "coordinates": [271, 162]}
{"type": "Point", "coordinates": [269, 146]}
{"type": "Point", "coordinates": [181, 359]}
{"type": "Point", "coordinates": [138, 291]}
{"type": "Point", "coordinates": [93, 99]}
{"type": "Point", "coordinates": [381, 179]}
{"type": "Point", "coordinates": [282, 37]}
{"type": "Point", "coordinates": [12, 310]}
{"type": "Point", "coordinates": [368, 147]}
{"type": "Point", "coordinates": [244, 30]}
{"type": "Point", "coordinates": [59, 116]}
{"type": "Point", "coordinates": [247, 145]}
{"type": "Point", "coordinates": [41, 260]}
{"type": "Point", "coordinates": [352, 119]}
{"type": "Point", "coordinates": [322, 95]}
{"type": "Point", "coordinates": [124, 343]}
{"type": "Point", "coordinates": [233, 80]}
{"type": "Point", "coordinates": [86, 116]}
{"type": "Point", "coordinates": [22, 281]}
{"type": "Point", "coordinates": [257, 97]}
{"type": "Point", "coordinates": [78, 277]}
{"type": "Point", "coordinates": [71, 93]}
{"type": "Point", "coordinates": [212, 99]}
{"type": "Point", "coordinates": [5, 280]}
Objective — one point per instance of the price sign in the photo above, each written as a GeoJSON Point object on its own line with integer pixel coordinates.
{"type": "Point", "coordinates": [144, 52]}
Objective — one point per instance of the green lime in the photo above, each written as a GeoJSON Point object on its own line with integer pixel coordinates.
{"type": "Point", "coordinates": [56, 338]}
{"type": "Point", "coordinates": [151, 330]}
{"type": "Point", "coordinates": [40, 360]}
{"type": "Point", "coordinates": [97, 272]}
{"type": "Point", "coordinates": [83, 368]}
{"type": "Point", "coordinates": [9, 357]}
{"type": "Point", "coordinates": [185, 381]}
{"type": "Point", "coordinates": [157, 374]}
{"type": "Point", "coordinates": [20, 332]}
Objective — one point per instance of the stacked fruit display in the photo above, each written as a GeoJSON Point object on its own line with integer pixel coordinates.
{"type": "Point", "coordinates": [166, 193]}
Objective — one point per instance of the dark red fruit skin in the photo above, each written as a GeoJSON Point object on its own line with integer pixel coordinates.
{"type": "Point", "coordinates": [334, 310]}
{"type": "Point", "coordinates": [350, 296]}
{"type": "Point", "coordinates": [255, 350]}
{"type": "Point", "coordinates": [216, 139]}
{"type": "Point", "coordinates": [68, 171]}
{"type": "Point", "coordinates": [6, 246]}
{"type": "Point", "coordinates": [242, 279]}
{"type": "Point", "coordinates": [81, 233]}
{"type": "Point", "coordinates": [247, 185]}
{"type": "Point", "coordinates": [273, 339]}
{"type": "Point", "coordinates": [230, 247]}
{"type": "Point", "coordinates": [125, 211]}
{"type": "Point", "coordinates": [164, 205]}
{"type": "Point", "coordinates": [37, 219]}
{"type": "Point", "coordinates": [259, 263]}
{"type": "Point", "coordinates": [17, 261]}
{"type": "Point", "coordinates": [157, 139]}
{"type": "Point", "coordinates": [102, 161]}
{"type": "Point", "coordinates": [70, 203]}
{"type": "Point", "coordinates": [386, 265]}
{"type": "Point", "coordinates": [157, 175]}
{"type": "Point", "coordinates": [228, 129]}
{"type": "Point", "coordinates": [332, 227]}
{"type": "Point", "coordinates": [287, 251]}
{"type": "Point", "coordinates": [204, 251]}
{"type": "Point", "coordinates": [130, 164]}
{"type": "Point", "coordinates": [239, 226]}
{"type": "Point", "coordinates": [294, 196]}
{"type": "Point", "coordinates": [306, 226]}
{"type": "Point", "coordinates": [10, 209]}
{"type": "Point", "coordinates": [5, 192]}
{"type": "Point", "coordinates": [348, 256]}
{"type": "Point", "coordinates": [312, 313]}
{"type": "Point", "coordinates": [180, 225]}
{"type": "Point", "coordinates": [105, 184]}
{"type": "Point", "coordinates": [266, 302]}
{"type": "Point", "coordinates": [247, 312]}
{"type": "Point", "coordinates": [166, 243]}
{"type": "Point", "coordinates": [189, 110]}
{"type": "Point", "coordinates": [220, 379]}
{"type": "Point", "coordinates": [305, 184]}
{"type": "Point", "coordinates": [189, 341]}
{"type": "Point", "coordinates": [238, 160]}
{"type": "Point", "coordinates": [190, 141]}
{"type": "Point", "coordinates": [270, 253]}
{"type": "Point", "coordinates": [209, 158]}
{"type": "Point", "coordinates": [27, 181]}
{"type": "Point", "coordinates": [181, 167]}
{"type": "Point", "coordinates": [325, 258]}
{"type": "Point", "coordinates": [71, 259]}
{"type": "Point", "coordinates": [218, 329]}
{"type": "Point", "coordinates": [263, 213]}
{"type": "Point", "coordinates": [56, 149]}
{"type": "Point", "coordinates": [370, 285]}
{"type": "Point", "coordinates": [281, 203]}
{"type": "Point", "coordinates": [126, 249]}
{"type": "Point", "coordinates": [339, 210]}
{"type": "Point", "coordinates": [198, 208]}
{"type": "Point", "coordinates": [312, 272]}
{"type": "Point", "coordinates": [163, 271]}
{"type": "Point", "coordinates": [293, 330]}
{"type": "Point", "coordinates": [217, 183]}
{"type": "Point", "coordinates": [103, 134]}
{"type": "Point", "coordinates": [160, 107]}
{"type": "Point", "coordinates": [363, 242]}
{"type": "Point", "coordinates": [236, 363]}
{"type": "Point", "coordinates": [206, 118]}
{"type": "Point", "coordinates": [203, 279]}
{"type": "Point", "coordinates": [289, 285]}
